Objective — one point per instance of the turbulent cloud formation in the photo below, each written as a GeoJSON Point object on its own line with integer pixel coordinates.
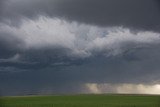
{"type": "Point", "coordinates": [77, 46]}
{"type": "Point", "coordinates": [79, 39]}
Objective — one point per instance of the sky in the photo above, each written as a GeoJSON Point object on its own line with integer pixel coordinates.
{"type": "Point", "coordinates": [79, 46]}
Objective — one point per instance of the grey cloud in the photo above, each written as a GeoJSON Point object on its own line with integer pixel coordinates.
{"type": "Point", "coordinates": [121, 70]}
{"type": "Point", "coordinates": [9, 45]}
{"type": "Point", "coordinates": [70, 44]}
{"type": "Point", "coordinates": [36, 59]}
{"type": "Point", "coordinates": [144, 14]}
{"type": "Point", "coordinates": [2, 3]}
{"type": "Point", "coordinates": [75, 40]}
{"type": "Point", "coordinates": [143, 69]}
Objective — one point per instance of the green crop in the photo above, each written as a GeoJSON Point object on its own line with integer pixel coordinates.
{"type": "Point", "coordinates": [111, 100]}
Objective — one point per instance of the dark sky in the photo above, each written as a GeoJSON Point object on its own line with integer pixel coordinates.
{"type": "Point", "coordinates": [59, 46]}
{"type": "Point", "coordinates": [140, 14]}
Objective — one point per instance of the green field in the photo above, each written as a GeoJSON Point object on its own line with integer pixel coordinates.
{"type": "Point", "coordinates": [82, 101]}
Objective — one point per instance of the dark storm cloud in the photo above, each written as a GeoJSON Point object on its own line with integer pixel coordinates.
{"type": "Point", "coordinates": [42, 66]}
{"type": "Point", "coordinates": [9, 45]}
{"type": "Point", "coordinates": [36, 58]}
{"type": "Point", "coordinates": [143, 14]}
{"type": "Point", "coordinates": [136, 66]}
{"type": "Point", "coordinates": [2, 4]}
{"type": "Point", "coordinates": [142, 67]}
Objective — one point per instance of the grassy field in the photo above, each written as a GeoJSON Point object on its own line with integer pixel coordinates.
{"type": "Point", "coordinates": [82, 101]}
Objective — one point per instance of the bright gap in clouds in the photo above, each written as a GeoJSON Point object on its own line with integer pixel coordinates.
{"type": "Point", "coordinates": [122, 88]}
{"type": "Point", "coordinates": [79, 39]}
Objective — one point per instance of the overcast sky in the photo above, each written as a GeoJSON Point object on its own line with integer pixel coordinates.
{"type": "Point", "coordinates": [79, 46]}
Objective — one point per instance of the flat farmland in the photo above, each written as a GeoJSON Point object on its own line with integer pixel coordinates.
{"type": "Point", "coordinates": [102, 100]}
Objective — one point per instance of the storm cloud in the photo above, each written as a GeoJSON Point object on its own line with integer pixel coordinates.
{"type": "Point", "coordinates": [77, 46]}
